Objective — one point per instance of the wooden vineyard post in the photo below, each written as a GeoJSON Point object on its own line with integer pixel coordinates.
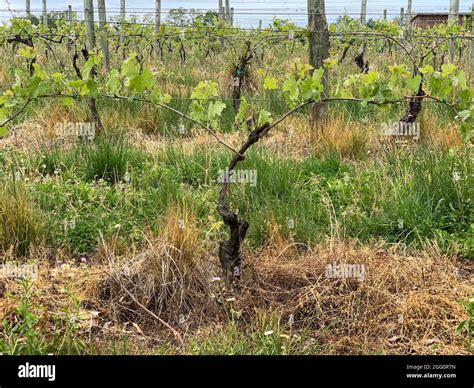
{"type": "Point", "coordinates": [402, 24]}
{"type": "Point", "coordinates": [409, 11]}
{"type": "Point", "coordinates": [318, 52]}
{"type": "Point", "coordinates": [45, 14]}
{"type": "Point", "coordinates": [227, 11]}
{"type": "Point", "coordinates": [104, 44]}
{"type": "Point", "coordinates": [122, 9]}
{"type": "Point", "coordinates": [89, 21]}
{"type": "Point", "coordinates": [471, 62]}
{"type": "Point", "coordinates": [363, 12]}
{"type": "Point", "coordinates": [122, 20]}
{"type": "Point", "coordinates": [383, 39]}
{"type": "Point", "coordinates": [453, 15]}
{"type": "Point", "coordinates": [221, 10]}
{"type": "Point", "coordinates": [409, 17]}
{"type": "Point", "coordinates": [90, 45]}
{"type": "Point", "coordinates": [363, 19]}
{"type": "Point", "coordinates": [158, 24]}
{"type": "Point", "coordinates": [221, 19]}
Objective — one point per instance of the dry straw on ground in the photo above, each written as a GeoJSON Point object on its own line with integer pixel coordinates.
{"type": "Point", "coordinates": [168, 276]}
{"type": "Point", "coordinates": [405, 304]}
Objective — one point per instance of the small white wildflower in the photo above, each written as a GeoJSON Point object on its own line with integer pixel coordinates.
{"type": "Point", "coordinates": [400, 224]}
{"type": "Point", "coordinates": [126, 177]}
{"type": "Point", "coordinates": [456, 176]}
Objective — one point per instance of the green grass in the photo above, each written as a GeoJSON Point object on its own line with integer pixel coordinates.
{"type": "Point", "coordinates": [108, 158]}
{"type": "Point", "coordinates": [401, 196]}
{"type": "Point", "coordinates": [412, 197]}
{"type": "Point", "coordinates": [266, 336]}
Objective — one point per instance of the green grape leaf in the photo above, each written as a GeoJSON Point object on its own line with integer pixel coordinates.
{"type": "Point", "coordinates": [26, 52]}
{"type": "Point", "coordinates": [215, 109]}
{"type": "Point", "coordinates": [426, 70]}
{"type": "Point", "coordinates": [270, 83]}
{"type": "Point", "coordinates": [129, 67]}
{"type": "Point", "coordinates": [448, 69]}
{"type": "Point", "coordinates": [205, 90]}
{"type": "Point", "coordinates": [87, 69]}
{"type": "Point", "coordinates": [317, 76]}
{"type": "Point", "coordinates": [158, 98]}
{"type": "Point", "coordinates": [413, 84]}
{"type": "Point", "coordinates": [439, 87]}
{"type": "Point", "coordinates": [38, 72]}
{"type": "Point", "coordinates": [243, 109]}
{"type": "Point", "coordinates": [92, 88]}
{"type": "Point", "coordinates": [33, 88]}
{"type": "Point", "coordinates": [370, 77]}
{"type": "Point", "coordinates": [76, 83]}
{"type": "Point", "coordinates": [264, 117]}
{"type": "Point", "coordinates": [140, 82]}
{"type": "Point", "coordinates": [290, 87]}
{"type": "Point", "coordinates": [3, 114]}
{"type": "Point", "coordinates": [329, 63]}
{"type": "Point", "coordinates": [113, 84]}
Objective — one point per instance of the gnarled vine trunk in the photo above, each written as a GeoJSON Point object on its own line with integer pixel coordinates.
{"type": "Point", "coordinates": [239, 75]}
{"type": "Point", "coordinates": [359, 60]}
{"type": "Point", "coordinates": [28, 42]}
{"type": "Point", "coordinates": [230, 255]}
{"type": "Point", "coordinates": [414, 106]}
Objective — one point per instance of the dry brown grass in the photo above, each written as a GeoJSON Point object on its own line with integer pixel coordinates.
{"type": "Point", "coordinates": [28, 136]}
{"type": "Point", "coordinates": [346, 139]}
{"type": "Point", "coordinates": [35, 134]}
{"type": "Point", "coordinates": [292, 139]}
{"type": "Point", "coordinates": [406, 304]}
{"type": "Point", "coordinates": [21, 223]}
{"type": "Point", "coordinates": [432, 134]}
{"type": "Point", "coordinates": [169, 276]}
